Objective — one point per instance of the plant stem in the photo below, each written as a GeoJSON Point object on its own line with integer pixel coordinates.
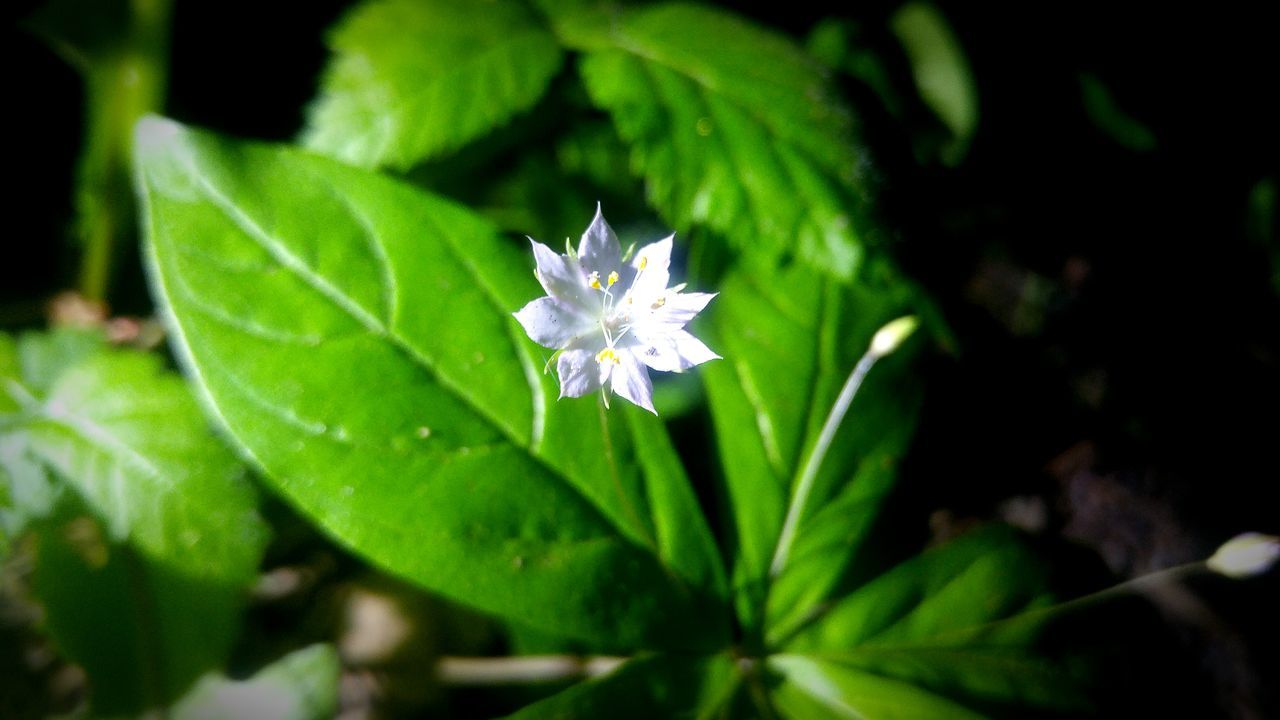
{"type": "Point", "coordinates": [120, 87]}
{"type": "Point", "coordinates": [488, 671]}
{"type": "Point", "coordinates": [804, 485]}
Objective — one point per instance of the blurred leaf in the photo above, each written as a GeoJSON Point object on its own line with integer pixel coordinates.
{"type": "Point", "coordinates": [132, 442]}
{"type": "Point", "coordinates": [941, 71]}
{"type": "Point", "coordinates": [1108, 117]}
{"type": "Point", "coordinates": [142, 629]}
{"type": "Point", "coordinates": [790, 340]}
{"type": "Point", "coordinates": [142, 571]}
{"type": "Point", "coordinates": [411, 79]}
{"type": "Point", "coordinates": [662, 686]}
{"type": "Point", "coordinates": [42, 358]}
{"type": "Point", "coordinates": [840, 44]}
{"type": "Point", "coordinates": [731, 125]}
{"type": "Point", "coordinates": [959, 623]}
{"type": "Point", "coordinates": [355, 336]}
{"type": "Point", "coordinates": [814, 688]}
{"type": "Point", "coordinates": [303, 685]}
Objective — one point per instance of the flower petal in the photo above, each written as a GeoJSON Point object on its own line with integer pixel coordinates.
{"type": "Point", "coordinates": [631, 380]}
{"type": "Point", "coordinates": [561, 276]}
{"type": "Point", "coordinates": [652, 264]}
{"type": "Point", "coordinates": [579, 372]}
{"type": "Point", "coordinates": [599, 250]}
{"type": "Point", "coordinates": [554, 323]}
{"type": "Point", "coordinates": [674, 352]}
{"type": "Point", "coordinates": [676, 311]}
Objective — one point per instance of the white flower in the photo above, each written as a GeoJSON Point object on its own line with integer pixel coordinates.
{"type": "Point", "coordinates": [610, 319]}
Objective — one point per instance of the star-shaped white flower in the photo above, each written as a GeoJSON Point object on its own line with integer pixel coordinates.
{"type": "Point", "coordinates": [611, 320]}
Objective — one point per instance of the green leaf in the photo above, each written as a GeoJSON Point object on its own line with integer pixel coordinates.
{"type": "Point", "coordinates": [411, 79]}
{"type": "Point", "coordinates": [790, 339]}
{"type": "Point", "coordinates": [131, 440]}
{"type": "Point", "coordinates": [355, 336]}
{"type": "Point", "coordinates": [814, 688]}
{"type": "Point", "coordinates": [957, 624]}
{"type": "Point", "coordinates": [658, 686]}
{"type": "Point", "coordinates": [303, 685]}
{"type": "Point", "coordinates": [141, 628]}
{"type": "Point", "coordinates": [732, 127]}
{"type": "Point", "coordinates": [142, 569]}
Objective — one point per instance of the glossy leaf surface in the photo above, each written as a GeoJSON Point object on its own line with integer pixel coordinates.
{"type": "Point", "coordinates": [355, 336]}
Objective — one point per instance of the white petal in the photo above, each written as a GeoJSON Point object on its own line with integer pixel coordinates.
{"type": "Point", "coordinates": [579, 372]}
{"type": "Point", "coordinates": [676, 311]}
{"type": "Point", "coordinates": [631, 380]}
{"type": "Point", "coordinates": [552, 322]}
{"type": "Point", "coordinates": [561, 276]}
{"type": "Point", "coordinates": [674, 352]}
{"type": "Point", "coordinates": [652, 264]}
{"type": "Point", "coordinates": [599, 250]}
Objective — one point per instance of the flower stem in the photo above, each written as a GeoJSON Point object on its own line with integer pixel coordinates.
{"type": "Point", "coordinates": [804, 486]}
{"type": "Point", "coordinates": [490, 671]}
{"type": "Point", "coordinates": [886, 340]}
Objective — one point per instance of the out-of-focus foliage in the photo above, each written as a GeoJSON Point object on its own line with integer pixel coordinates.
{"type": "Point", "coordinates": [410, 80]}
{"type": "Point", "coordinates": [303, 685]}
{"type": "Point", "coordinates": [158, 524]}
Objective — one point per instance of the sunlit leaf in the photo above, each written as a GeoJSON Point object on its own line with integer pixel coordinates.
{"type": "Point", "coordinates": [731, 125]}
{"type": "Point", "coordinates": [355, 336]}
{"type": "Point", "coordinates": [411, 79]}
{"type": "Point", "coordinates": [957, 625]}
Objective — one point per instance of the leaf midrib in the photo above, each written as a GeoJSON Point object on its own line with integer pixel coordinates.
{"type": "Point", "coordinates": [292, 263]}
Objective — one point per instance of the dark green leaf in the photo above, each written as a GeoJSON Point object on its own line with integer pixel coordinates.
{"type": "Point", "coordinates": [411, 79]}
{"type": "Point", "coordinates": [303, 685]}
{"type": "Point", "coordinates": [957, 624]}
{"type": "Point", "coordinates": [814, 688]}
{"type": "Point", "coordinates": [651, 687]}
{"type": "Point", "coordinates": [731, 126]}
{"type": "Point", "coordinates": [790, 340]}
{"type": "Point", "coordinates": [355, 336]}
{"type": "Point", "coordinates": [142, 629]}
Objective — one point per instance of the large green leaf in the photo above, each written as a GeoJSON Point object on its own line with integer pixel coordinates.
{"type": "Point", "coordinates": [790, 339]}
{"type": "Point", "coordinates": [355, 336]}
{"type": "Point", "coordinates": [303, 685]}
{"type": "Point", "coordinates": [732, 126]}
{"type": "Point", "coordinates": [956, 625]}
{"type": "Point", "coordinates": [661, 686]}
{"type": "Point", "coordinates": [142, 570]}
{"type": "Point", "coordinates": [414, 78]}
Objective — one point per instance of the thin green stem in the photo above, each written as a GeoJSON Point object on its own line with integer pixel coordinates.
{"type": "Point", "coordinates": [802, 488]}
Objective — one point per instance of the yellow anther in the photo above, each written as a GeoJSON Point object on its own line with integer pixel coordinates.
{"type": "Point", "coordinates": [594, 280]}
{"type": "Point", "coordinates": [644, 261]}
{"type": "Point", "coordinates": [613, 278]}
{"type": "Point", "coordinates": [607, 355]}
{"type": "Point", "coordinates": [659, 302]}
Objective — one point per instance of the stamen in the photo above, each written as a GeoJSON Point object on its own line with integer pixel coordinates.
{"type": "Point", "coordinates": [662, 300]}
{"type": "Point", "coordinates": [594, 280]}
{"type": "Point", "coordinates": [613, 278]}
{"type": "Point", "coordinates": [607, 355]}
{"type": "Point", "coordinates": [644, 262]}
